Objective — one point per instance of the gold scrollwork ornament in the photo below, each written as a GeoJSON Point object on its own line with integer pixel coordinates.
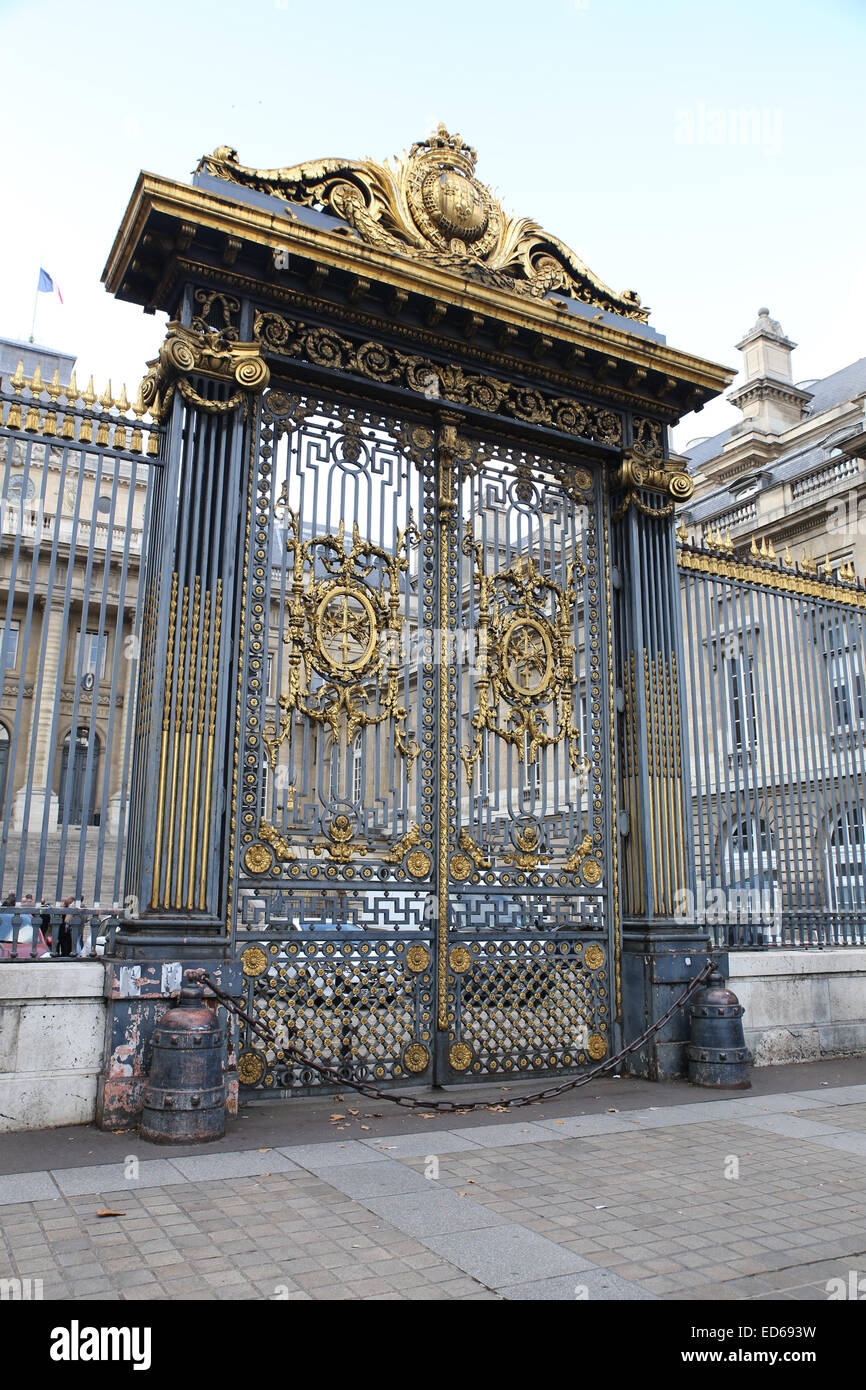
{"type": "Point", "coordinates": [344, 631]}
{"type": "Point", "coordinates": [525, 677]}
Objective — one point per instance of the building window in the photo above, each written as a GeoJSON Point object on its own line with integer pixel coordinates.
{"type": "Point", "coordinates": [9, 634]}
{"type": "Point", "coordinates": [846, 677]}
{"type": "Point", "coordinates": [92, 661]}
{"type": "Point", "coordinates": [743, 706]}
{"type": "Point", "coordinates": [750, 854]}
{"type": "Point", "coordinates": [847, 859]}
{"type": "Point", "coordinates": [4, 764]}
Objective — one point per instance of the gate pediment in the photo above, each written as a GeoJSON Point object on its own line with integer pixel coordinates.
{"type": "Point", "coordinates": [419, 255]}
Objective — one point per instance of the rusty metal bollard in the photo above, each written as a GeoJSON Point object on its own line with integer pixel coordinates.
{"type": "Point", "coordinates": [717, 1050]}
{"type": "Point", "coordinates": [184, 1099]}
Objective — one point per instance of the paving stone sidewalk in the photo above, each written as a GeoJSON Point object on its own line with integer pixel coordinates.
{"type": "Point", "coordinates": [752, 1198]}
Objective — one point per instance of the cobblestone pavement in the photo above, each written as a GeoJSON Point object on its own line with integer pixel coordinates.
{"type": "Point", "coordinates": [758, 1197]}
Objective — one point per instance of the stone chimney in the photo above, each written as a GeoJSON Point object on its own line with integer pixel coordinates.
{"type": "Point", "coordinates": [768, 398]}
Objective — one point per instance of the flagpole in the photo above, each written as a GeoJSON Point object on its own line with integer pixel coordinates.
{"type": "Point", "coordinates": [35, 307]}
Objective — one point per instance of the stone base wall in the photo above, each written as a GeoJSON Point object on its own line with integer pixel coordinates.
{"type": "Point", "coordinates": [52, 1040]}
{"type": "Point", "coordinates": [800, 1005]}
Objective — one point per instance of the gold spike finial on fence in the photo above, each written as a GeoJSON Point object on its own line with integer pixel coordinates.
{"type": "Point", "coordinates": [682, 533]}
{"type": "Point", "coordinates": [106, 400]}
{"type": "Point", "coordinates": [753, 549]}
{"type": "Point", "coordinates": [71, 391]}
{"type": "Point", "coordinates": [18, 380]}
{"type": "Point", "coordinates": [729, 544]}
{"type": "Point", "coordinates": [36, 384]}
{"type": "Point", "coordinates": [771, 554]}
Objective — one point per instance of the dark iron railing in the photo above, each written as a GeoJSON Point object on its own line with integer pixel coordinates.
{"type": "Point", "coordinates": [775, 694]}
{"type": "Point", "coordinates": [75, 497]}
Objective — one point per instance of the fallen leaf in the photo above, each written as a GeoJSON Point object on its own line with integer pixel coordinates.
{"type": "Point", "coordinates": [462, 1194]}
{"type": "Point", "coordinates": [111, 1213]}
{"type": "Point", "coordinates": [365, 1126]}
{"type": "Point", "coordinates": [613, 1111]}
{"type": "Point", "coordinates": [264, 1151]}
{"type": "Point", "coordinates": [338, 1117]}
{"type": "Point", "coordinates": [373, 1115]}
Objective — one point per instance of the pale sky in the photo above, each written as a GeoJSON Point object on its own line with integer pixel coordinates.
{"type": "Point", "coordinates": [709, 156]}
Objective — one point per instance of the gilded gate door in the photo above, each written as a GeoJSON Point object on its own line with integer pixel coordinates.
{"type": "Point", "coordinates": [422, 872]}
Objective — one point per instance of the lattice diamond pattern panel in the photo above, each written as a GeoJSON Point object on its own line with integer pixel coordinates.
{"type": "Point", "coordinates": [361, 1007]}
{"type": "Point", "coordinates": [530, 1005]}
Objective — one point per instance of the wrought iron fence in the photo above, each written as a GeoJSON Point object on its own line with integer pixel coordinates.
{"type": "Point", "coordinates": [774, 688]}
{"type": "Point", "coordinates": [775, 691]}
{"type": "Point", "coordinates": [76, 491]}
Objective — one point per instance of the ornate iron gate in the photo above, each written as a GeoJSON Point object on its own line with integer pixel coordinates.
{"type": "Point", "coordinates": [422, 793]}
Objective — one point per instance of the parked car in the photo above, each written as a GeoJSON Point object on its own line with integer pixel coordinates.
{"type": "Point", "coordinates": [22, 947]}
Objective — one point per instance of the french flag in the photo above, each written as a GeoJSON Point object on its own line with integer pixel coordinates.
{"type": "Point", "coordinates": [47, 285]}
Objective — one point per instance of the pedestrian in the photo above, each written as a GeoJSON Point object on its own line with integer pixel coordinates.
{"type": "Point", "coordinates": [64, 934]}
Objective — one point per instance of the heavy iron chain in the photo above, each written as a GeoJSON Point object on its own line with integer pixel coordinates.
{"type": "Point", "coordinates": [451, 1107]}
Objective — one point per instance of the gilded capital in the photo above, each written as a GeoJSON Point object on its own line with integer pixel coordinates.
{"type": "Point", "coordinates": [208, 353]}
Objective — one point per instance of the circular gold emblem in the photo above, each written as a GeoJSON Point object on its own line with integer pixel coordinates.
{"type": "Point", "coordinates": [460, 1056]}
{"type": "Point", "coordinates": [257, 859]}
{"type": "Point", "coordinates": [461, 867]}
{"type": "Point", "coordinates": [527, 661]}
{"type": "Point", "coordinates": [596, 1047]}
{"type": "Point", "coordinates": [455, 205]}
{"type": "Point", "coordinates": [590, 871]}
{"type": "Point", "coordinates": [593, 957]}
{"type": "Point", "coordinates": [416, 1057]}
{"type": "Point", "coordinates": [346, 629]}
{"type": "Point", "coordinates": [250, 1068]}
{"type": "Point", "coordinates": [254, 961]}
{"type": "Point", "coordinates": [417, 959]}
{"type": "Point", "coordinates": [459, 959]}
{"type": "Point", "coordinates": [419, 863]}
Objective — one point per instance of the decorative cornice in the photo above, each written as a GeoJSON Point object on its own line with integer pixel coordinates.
{"type": "Point", "coordinates": [434, 380]}
{"type": "Point", "coordinates": [503, 361]}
